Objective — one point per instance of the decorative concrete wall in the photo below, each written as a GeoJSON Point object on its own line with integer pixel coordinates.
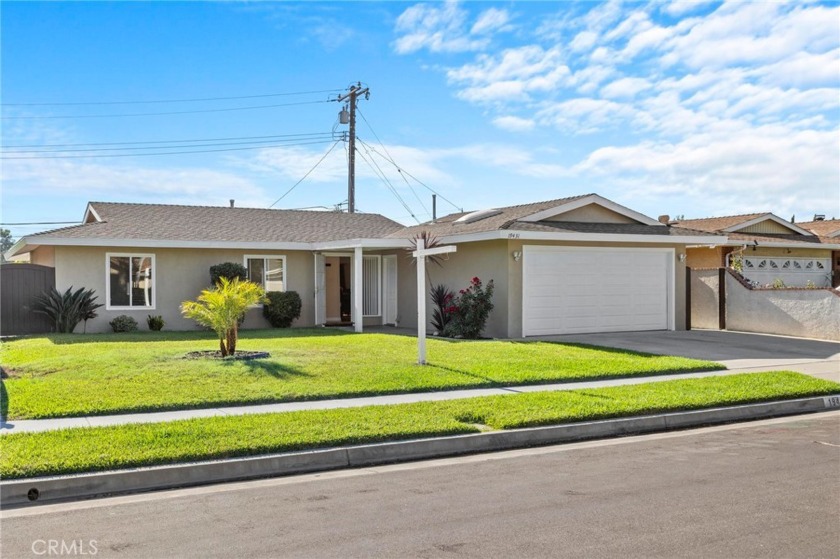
{"type": "Point", "coordinates": [705, 298]}
{"type": "Point", "coordinates": [806, 313]}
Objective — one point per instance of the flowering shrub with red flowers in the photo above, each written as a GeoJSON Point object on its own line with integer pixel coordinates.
{"type": "Point", "coordinates": [469, 310]}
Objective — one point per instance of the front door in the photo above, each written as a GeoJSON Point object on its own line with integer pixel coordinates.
{"type": "Point", "coordinates": [338, 300]}
{"type": "Point", "coordinates": [835, 268]}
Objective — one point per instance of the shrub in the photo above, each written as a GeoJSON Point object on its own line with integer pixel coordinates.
{"type": "Point", "coordinates": [155, 323]}
{"type": "Point", "coordinates": [123, 323]}
{"type": "Point", "coordinates": [470, 310]}
{"type": "Point", "coordinates": [442, 298]}
{"type": "Point", "coordinates": [229, 271]}
{"type": "Point", "coordinates": [778, 284]}
{"type": "Point", "coordinates": [67, 309]}
{"type": "Point", "coordinates": [221, 308]}
{"type": "Point", "coordinates": [282, 308]}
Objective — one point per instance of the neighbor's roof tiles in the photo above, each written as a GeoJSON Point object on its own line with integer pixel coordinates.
{"type": "Point", "coordinates": [824, 227]}
{"type": "Point", "coordinates": [714, 224]}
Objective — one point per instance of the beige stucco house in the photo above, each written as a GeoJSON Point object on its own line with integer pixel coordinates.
{"type": "Point", "coordinates": [769, 248]}
{"type": "Point", "coordinates": [572, 265]}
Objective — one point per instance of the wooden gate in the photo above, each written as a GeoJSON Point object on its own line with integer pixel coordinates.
{"type": "Point", "coordinates": [19, 283]}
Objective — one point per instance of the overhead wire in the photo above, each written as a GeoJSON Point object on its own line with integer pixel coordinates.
{"type": "Point", "coordinates": [379, 173]}
{"type": "Point", "coordinates": [375, 135]}
{"type": "Point", "coordinates": [167, 113]}
{"type": "Point", "coordinates": [166, 141]}
{"type": "Point", "coordinates": [165, 152]}
{"type": "Point", "coordinates": [307, 173]}
{"type": "Point", "coordinates": [157, 101]}
{"type": "Point", "coordinates": [323, 136]}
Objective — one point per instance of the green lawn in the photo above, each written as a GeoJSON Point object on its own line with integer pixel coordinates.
{"type": "Point", "coordinates": [92, 449]}
{"type": "Point", "coordinates": [73, 375]}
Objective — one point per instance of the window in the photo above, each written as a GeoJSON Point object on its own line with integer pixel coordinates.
{"type": "Point", "coordinates": [130, 283]}
{"type": "Point", "coordinates": [267, 271]}
{"type": "Point", "coordinates": [370, 281]}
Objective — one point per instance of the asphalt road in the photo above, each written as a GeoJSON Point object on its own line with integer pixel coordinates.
{"type": "Point", "coordinates": [765, 489]}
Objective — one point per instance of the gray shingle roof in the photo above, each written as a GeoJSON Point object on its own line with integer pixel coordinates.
{"type": "Point", "coordinates": [610, 229]}
{"type": "Point", "coordinates": [223, 224]}
{"type": "Point", "coordinates": [446, 225]}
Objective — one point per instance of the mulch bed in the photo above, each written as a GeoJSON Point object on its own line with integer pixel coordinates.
{"type": "Point", "coordinates": [238, 356]}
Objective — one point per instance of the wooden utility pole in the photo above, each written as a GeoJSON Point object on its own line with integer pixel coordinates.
{"type": "Point", "coordinates": [353, 93]}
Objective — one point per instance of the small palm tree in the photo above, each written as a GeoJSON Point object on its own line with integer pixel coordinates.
{"type": "Point", "coordinates": [221, 307]}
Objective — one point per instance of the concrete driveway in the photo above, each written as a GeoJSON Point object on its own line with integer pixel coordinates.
{"type": "Point", "coordinates": [736, 350]}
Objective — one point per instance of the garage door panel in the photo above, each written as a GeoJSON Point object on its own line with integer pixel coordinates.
{"type": "Point", "coordinates": [579, 291]}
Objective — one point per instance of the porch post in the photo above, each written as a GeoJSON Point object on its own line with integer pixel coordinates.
{"type": "Point", "coordinates": [358, 290]}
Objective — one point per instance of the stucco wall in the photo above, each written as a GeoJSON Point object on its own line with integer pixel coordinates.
{"type": "Point", "coordinates": [806, 313]}
{"type": "Point", "coordinates": [704, 257]}
{"type": "Point", "coordinates": [494, 260]}
{"type": "Point", "coordinates": [43, 256]}
{"type": "Point", "coordinates": [180, 275]}
{"type": "Point", "coordinates": [705, 299]}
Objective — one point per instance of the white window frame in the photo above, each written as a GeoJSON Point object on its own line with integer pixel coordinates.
{"type": "Point", "coordinates": [378, 259]}
{"type": "Point", "coordinates": [129, 255]}
{"type": "Point", "coordinates": [264, 258]}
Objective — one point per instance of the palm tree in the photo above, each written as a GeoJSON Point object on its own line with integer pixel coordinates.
{"type": "Point", "coordinates": [221, 307]}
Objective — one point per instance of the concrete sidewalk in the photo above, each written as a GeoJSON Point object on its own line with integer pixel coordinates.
{"type": "Point", "coordinates": [36, 425]}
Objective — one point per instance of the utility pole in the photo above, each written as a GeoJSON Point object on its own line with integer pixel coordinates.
{"type": "Point", "coordinates": [348, 115]}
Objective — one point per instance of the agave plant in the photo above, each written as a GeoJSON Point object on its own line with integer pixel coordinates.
{"type": "Point", "coordinates": [67, 309]}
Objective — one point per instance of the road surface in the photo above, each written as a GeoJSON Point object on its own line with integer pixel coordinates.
{"type": "Point", "coordinates": [764, 489]}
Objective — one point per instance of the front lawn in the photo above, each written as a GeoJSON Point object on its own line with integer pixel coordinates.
{"type": "Point", "coordinates": [76, 375]}
{"type": "Point", "coordinates": [125, 446]}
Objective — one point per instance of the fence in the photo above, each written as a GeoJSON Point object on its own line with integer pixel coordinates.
{"type": "Point", "coordinates": [19, 283]}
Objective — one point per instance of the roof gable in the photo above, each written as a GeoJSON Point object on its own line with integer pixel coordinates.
{"type": "Point", "coordinates": [767, 223]}
{"type": "Point", "coordinates": [590, 209]}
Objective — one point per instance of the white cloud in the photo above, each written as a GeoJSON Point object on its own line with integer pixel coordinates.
{"type": "Point", "coordinates": [585, 115]}
{"type": "Point", "coordinates": [624, 88]}
{"type": "Point", "coordinates": [491, 20]}
{"type": "Point", "coordinates": [513, 123]}
{"type": "Point", "coordinates": [177, 185]}
{"type": "Point", "coordinates": [445, 28]}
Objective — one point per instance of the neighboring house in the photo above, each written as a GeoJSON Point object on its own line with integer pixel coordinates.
{"type": "Point", "coordinates": [769, 248]}
{"type": "Point", "coordinates": [579, 264]}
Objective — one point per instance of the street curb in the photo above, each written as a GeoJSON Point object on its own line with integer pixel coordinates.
{"type": "Point", "coordinates": [47, 489]}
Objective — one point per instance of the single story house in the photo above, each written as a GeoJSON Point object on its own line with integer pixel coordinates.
{"type": "Point", "coordinates": [572, 265]}
{"type": "Point", "coordinates": [768, 248]}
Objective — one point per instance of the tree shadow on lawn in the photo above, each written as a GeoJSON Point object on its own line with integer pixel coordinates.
{"type": "Point", "coordinates": [4, 404]}
{"type": "Point", "coordinates": [271, 368]}
{"type": "Point", "coordinates": [187, 335]}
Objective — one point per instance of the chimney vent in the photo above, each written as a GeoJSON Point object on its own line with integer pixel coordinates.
{"type": "Point", "coordinates": [664, 219]}
{"type": "Point", "coordinates": [231, 202]}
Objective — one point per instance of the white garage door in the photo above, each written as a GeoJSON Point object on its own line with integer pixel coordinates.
{"type": "Point", "coordinates": [575, 290]}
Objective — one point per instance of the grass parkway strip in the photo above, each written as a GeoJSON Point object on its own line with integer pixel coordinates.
{"type": "Point", "coordinates": [95, 449]}
{"type": "Point", "coordinates": [82, 375]}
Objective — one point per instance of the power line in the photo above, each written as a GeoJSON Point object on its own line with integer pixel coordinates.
{"type": "Point", "coordinates": [166, 141]}
{"type": "Point", "coordinates": [387, 182]}
{"type": "Point", "coordinates": [323, 136]}
{"type": "Point", "coordinates": [167, 152]}
{"type": "Point", "coordinates": [156, 101]}
{"type": "Point", "coordinates": [422, 205]}
{"type": "Point", "coordinates": [307, 173]}
{"type": "Point", "coordinates": [253, 107]}
{"type": "Point", "coordinates": [421, 183]}
{"type": "Point", "coordinates": [375, 135]}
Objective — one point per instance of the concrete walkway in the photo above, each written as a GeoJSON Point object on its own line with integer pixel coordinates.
{"type": "Point", "coordinates": [36, 425]}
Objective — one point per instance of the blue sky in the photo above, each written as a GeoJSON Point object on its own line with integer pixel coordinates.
{"type": "Point", "coordinates": [684, 108]}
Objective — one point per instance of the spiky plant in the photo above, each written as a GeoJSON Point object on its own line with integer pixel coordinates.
{"type": "Point", "coordinates": [442, 298]}
{"type": "Point", "coordinates": [221, 307]}
{"type": "Point", "coordinates": [67, 309]}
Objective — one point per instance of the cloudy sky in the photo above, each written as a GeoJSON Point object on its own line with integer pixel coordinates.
{"type": "Point", "coordinates": [685, 108]}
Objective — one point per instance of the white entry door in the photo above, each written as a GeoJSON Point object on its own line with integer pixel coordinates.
{"type": "Point", "coordinates": [389, 295]}
{"type": "Point", "coordinates": [570, 290]}
{"type": "Point", "coordinates": [320, 290]}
